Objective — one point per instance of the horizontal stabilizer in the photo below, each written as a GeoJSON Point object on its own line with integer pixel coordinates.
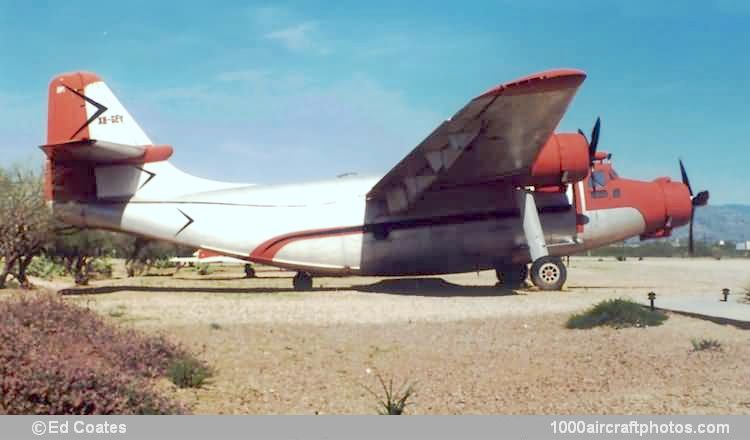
{"type": "Point", "coordinates": [101, 152]}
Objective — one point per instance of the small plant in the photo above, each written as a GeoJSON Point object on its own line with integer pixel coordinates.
{"type": "Point", "coordinates": [706, 345]}
{"type": "Point", "coordinates": [188, 372]}
{"type": "Point", "coordinates": [617, 313]}
{"type": "Point", "coordinates": [215, 326]}
{"type": "Point", "coordinates": [393, 403]}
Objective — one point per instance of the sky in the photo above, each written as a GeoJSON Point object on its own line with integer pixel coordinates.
{"type": "Point", "coordinates": [293, 91]}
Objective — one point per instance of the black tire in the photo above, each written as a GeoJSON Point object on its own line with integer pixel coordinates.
{"type": "Point", "coordinates": [549, 273]}
{"type": "Point", "coordinates": [512, 275]}
{"type": "Point", "coordinates": [249, 271]}
{"type": "Point", "coordinates": [302, 282]}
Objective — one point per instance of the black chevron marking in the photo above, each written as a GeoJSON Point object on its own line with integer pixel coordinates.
{"type": "Point", "coordinates": [100, 109]}
{"type": "Point", "coordinates": [150, 176]}
{"type": "Point", "coordinates": [189, 222]}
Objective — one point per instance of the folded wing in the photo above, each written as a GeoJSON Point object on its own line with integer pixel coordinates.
{"type": "Point", "coordinates": [495, 136]}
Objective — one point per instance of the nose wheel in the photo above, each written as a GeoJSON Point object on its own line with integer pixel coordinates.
{"type": "Point", "coordinates": [302, 281]}
{"type": "Point", "coordinates": [548, 273]}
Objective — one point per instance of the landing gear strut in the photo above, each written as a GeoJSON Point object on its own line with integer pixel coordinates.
{"type": "Point", "coordinates": [302, 281]}
{"type": "Point", "coordinates": [549, 273]}
{"type": "Point", "coordinates": [511, 276]}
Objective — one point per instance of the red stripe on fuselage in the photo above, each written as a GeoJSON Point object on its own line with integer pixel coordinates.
{"type": "Point", "coordinates": [266, 251]}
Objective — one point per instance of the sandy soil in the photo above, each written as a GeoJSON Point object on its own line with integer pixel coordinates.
{"type": "Point", "coordinates": [468, 347]}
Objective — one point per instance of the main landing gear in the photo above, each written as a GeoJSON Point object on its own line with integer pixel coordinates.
{"type": "Point", "coordinates": [303, 281]}
{"type": "Point", "coordinates": [547, 272]}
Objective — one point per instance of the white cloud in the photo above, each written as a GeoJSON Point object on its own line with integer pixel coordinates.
{"type": "Point", "coordinates": [302, 37]}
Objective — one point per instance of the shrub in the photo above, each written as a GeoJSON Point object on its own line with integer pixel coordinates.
{"type": "Point", "coordinates": [45, 268]}
{"type": "Point", "coordinates": [163, 263]}
{"type": "Point", "coordinates": [57, 358]}
{"type": "Point", "coordinates": [706, 344]}
{"type": "Point", "coordinates": [617, 313]}
{"type": "Point", "coordinates": [392, 403]}
{"type": "Point", "coordinates": [188, 372]}
{"type": "Point", "coordinates": [101, 266]}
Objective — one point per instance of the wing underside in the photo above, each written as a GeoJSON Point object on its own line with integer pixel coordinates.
{"type": "Point", "coordinates": [496, 135]}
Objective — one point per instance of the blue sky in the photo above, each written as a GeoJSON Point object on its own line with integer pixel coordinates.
{"type": "Point", "coordinates": [271, 92]}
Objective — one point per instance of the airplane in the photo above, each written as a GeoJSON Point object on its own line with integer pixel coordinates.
{"type": "Point", "coordinates": [202, 256]}
{"type": "Point", "coordinates": [493, 187]}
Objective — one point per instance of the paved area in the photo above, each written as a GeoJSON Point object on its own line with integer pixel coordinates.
{"type": "Point", "coordinates": [735, 311]}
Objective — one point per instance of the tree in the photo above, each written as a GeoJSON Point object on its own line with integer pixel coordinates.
{"type": "Point", "coordinates": [77, 248]}
{"type": "Point", "coordinates": [25, 222]}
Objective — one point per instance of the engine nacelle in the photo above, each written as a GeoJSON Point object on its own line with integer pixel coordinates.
{"type": "Point", "coordinates": [563, 159]}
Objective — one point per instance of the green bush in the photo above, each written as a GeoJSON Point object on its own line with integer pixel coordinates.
{"type": "Point", "coordinates": [101, 266]}
{"type": "Point", "coordinates": [45, 268]}
{"type": "Point", "coordinates": [163, 263]}
{"type": "Point", "coordinates": [188, 372]}
{"type": "Point", "coordinates": [617, 313]}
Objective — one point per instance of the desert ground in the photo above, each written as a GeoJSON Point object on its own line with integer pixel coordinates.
{"type": "Point", "coordinates": [468, 347]}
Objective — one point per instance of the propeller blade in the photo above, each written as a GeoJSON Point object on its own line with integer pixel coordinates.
{"type": "Point", "coordinates": [583, 134]}
{"type": "Point", "coordinates": [685, 179]}
{"type": "Point", "coordinates": [595, 137]}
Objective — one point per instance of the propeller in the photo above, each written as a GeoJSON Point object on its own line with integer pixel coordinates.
{"type": "Point", "coordinates": [594, 139]}
{"type": "Point", "coordinates": [697, 200]}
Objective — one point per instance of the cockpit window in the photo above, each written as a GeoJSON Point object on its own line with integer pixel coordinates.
{"type": "Point", "coordinates": [598, 179]}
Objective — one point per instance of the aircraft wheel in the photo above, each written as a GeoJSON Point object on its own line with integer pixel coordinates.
{"type": "Point", "coordinates": [249, 271]}
{"type": "Point", "coordinates": [512, 275]}
{"type": "Point", "coordinates": [548, 273]}
{"type": "Point", "coordinates": [302, 281]}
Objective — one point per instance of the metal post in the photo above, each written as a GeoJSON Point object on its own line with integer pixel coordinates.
{"type": "Point", "coordinates": [651, 298]}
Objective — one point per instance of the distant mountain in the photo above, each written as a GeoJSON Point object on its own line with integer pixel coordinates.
{"type": "Point", "coordinates": [719, 222]}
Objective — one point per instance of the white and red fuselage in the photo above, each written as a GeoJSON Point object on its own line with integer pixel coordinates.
{"type": "Point", "coordinates": [325, 227]}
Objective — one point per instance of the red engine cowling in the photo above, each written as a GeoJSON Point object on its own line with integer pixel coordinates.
{"type": "Point", "coordinates": [563, 159]}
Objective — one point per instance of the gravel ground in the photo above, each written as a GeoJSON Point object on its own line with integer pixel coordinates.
{"type": "Point", "coordinates": [468, 347]}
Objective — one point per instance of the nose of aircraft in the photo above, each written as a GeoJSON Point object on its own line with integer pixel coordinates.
{"type": "Point", "coordinates": [677, 203]}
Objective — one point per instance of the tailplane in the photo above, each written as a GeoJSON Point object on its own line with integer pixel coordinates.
{"type": "Point", "coordinates": [97, 151]}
